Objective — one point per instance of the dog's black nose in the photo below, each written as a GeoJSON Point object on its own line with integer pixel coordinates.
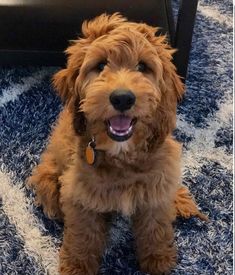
{"type": "Point", "coordinates": [122, 100]}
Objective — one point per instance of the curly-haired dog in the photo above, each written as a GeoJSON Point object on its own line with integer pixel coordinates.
{"type": "Point", "coordinates": [112, 149]}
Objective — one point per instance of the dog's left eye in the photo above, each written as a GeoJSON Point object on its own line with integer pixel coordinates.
{"type": "Point", "coordinates": [141, 67]}
{"type": "Point", "coordinates": [100, 66]}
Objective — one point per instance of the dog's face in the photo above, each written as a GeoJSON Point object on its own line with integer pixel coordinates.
{"type": "Point", "coordinates": [120, 83]}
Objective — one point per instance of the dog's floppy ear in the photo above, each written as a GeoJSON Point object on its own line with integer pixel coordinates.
{"type": "Point", "coordinates": [171, 86]}
{"type": "Point", "coordinates": [172, 80]}
{"type": "Point", "coordinates": [63, 85]}
{"type": "Point", "coordinates": [64, 82]}
{"type": "Point", "coordinates": [79, 119]}
{"type": "Point", "coordinates": [172, 91]}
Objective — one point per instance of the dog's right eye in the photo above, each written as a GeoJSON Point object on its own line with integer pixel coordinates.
{"type": "Point", "coordinates": [141, 67]}
{"type": "Point", "coordinates": [100, 66]}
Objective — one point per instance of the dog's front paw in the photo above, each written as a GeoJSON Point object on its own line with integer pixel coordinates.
{"type": "Point", "coordinates": [77, 267]}
{"type": "Point", "coordinates": [159, 264]}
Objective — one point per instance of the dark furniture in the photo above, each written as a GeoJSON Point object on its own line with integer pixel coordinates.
{"type": "Point", "coordinates": [36, 32]}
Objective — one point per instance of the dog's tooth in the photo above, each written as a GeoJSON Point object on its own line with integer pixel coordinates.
{"type": "Point", "coordinates": [113, 131]}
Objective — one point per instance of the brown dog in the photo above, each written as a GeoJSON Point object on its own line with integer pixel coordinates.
{"type": "Point", "coordinates": [112, 149]}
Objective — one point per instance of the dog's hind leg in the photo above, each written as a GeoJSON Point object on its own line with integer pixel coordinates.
{"type": "Point", "coordinates": [186, 206]}
{"type": "Point", "coordinates": [54, 161]}
{"type": "Point", "coordinates": [44, 181]}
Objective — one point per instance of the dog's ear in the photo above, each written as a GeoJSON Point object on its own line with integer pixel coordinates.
{"type": "Point", "coordinates": [171, 86]}
{"type": "Point", "coordinates": [172, 90]}
{"type": "Point", "coordinates": [102, 24]}
{"type": "Point", "coordinates": [171, 80]}
{"type": "Point", "coordinates": [79, 119]}
{"type": "Point", "coordinates": [63, 84]}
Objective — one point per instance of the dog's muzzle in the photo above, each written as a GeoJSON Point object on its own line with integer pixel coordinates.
{"type": "Point", "coordinates": [120, 127]}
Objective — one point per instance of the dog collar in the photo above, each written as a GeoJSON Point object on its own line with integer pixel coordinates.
{"type": "Point", "coordinates": [91, 152]}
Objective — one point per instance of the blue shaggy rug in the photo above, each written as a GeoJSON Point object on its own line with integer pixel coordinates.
{"type": "Point", "coordinates": [29, 242]}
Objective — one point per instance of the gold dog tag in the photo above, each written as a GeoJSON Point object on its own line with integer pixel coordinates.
{"type": "Point", "coordinates": [90, 152]}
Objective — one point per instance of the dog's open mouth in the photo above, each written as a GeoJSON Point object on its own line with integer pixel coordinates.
{"type": "Point", "coordinates": [120, 127]}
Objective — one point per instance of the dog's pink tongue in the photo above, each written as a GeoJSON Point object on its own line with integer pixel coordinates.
{"type": "Point", "coordinates": [120, 122]}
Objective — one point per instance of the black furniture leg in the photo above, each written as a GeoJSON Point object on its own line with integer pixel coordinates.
{"type": "Point", "coordinates": [170, 20]}
{"type": "Point", "coordinates": [183, 35]}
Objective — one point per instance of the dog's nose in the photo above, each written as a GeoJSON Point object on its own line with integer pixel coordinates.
{"type": "Point", "coordinates": [122, 100]}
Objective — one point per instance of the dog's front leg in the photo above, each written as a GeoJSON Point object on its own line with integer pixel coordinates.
{"type": "Point", "coordinates": [83, 242]}
{"type": "Point", "coordinates": [154, 240]}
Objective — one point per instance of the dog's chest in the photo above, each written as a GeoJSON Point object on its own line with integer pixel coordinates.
{"type": "Point", "coordinates": [122, 194]}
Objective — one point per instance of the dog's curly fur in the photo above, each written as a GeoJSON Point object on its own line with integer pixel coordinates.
{"type": "Point", "coordinates": [139, 177]}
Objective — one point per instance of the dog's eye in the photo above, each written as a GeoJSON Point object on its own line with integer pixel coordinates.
{"type": "Point", "coordinates": [142, 67]}
{"type": "Point", "coordinates": [100, 66]}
